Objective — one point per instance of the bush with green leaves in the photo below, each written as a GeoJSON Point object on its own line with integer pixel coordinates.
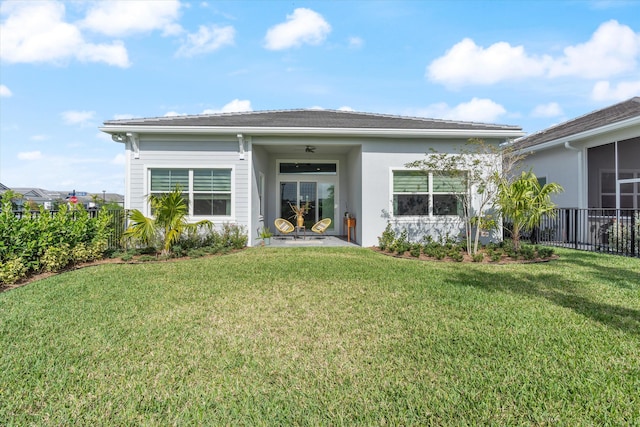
{"type": "Point", "coordinates": [12, 270]}
{"type": "Point", "coordinates": [388, 237]}
{"type": "Point", "coordinates": [56, 258]}
{"type": "Point", "coordinates": [42, 240]}
{"type": "Point", "coordinates": [545, 252]}
{"type": "Point", "coordinates": [528, 252]}
{"type": "Point", "coordinates": [234, 236]}
{"type": "Point", "coordinates": [621, 235]}
{"type": "Point", "coordinates": [415, 250]}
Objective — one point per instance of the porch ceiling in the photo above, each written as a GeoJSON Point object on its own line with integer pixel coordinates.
{"type": "Point", "coordinates": [308, 150]}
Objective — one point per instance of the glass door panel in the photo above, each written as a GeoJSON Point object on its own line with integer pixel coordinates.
{"type": "Point", "coordinates": [326, 202]}
{"type": "Point", "coordinates": [288, 194]}
{"type": "Point", "coordinates": [308, 198]}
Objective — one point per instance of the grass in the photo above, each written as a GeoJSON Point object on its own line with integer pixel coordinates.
{"type": "Point", "coordinates": [319, 336]}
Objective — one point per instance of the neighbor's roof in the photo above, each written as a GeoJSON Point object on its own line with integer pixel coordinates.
{"type": "Point", "coordinates": [306, 119]}
{"type": "Point", "coordinates": [617, 113]}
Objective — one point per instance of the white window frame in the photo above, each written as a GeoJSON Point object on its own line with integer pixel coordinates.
{"type": "Point", "coordinates": [618, 183]}
{"type": "Point", "coordinates": [430, 193]}
{"type": "Point", "coordinates": [190, 192]}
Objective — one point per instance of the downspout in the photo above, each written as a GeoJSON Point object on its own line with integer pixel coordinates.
{"type": "Point", "coordinates": [581, 177]}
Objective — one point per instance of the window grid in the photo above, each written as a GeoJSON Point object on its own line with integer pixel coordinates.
{"type": "Point", "coordinates": [433, 194]}
{"type": "Point", "coordinates": [207, 191]}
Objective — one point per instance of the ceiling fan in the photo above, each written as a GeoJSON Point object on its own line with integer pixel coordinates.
{"type": "Point", "coordinates": [310, 149]}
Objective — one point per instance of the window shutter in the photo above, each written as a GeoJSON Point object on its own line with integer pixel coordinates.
{"type": "Point", "coordinates": [217, 180]}
{"type": "Point", "coordinates": [449, 183]}
{"type": "Point", "coordinates": [165, 180]}
{"type": "Point", "coordinates": [410, 182]}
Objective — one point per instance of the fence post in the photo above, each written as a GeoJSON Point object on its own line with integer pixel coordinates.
{"type": "Point", "coordinates": [633, 233]}
{"type": "Point", "coordinates": [575, 228]}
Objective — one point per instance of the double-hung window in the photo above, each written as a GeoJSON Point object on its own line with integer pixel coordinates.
{"type": "Point", "coordinates": [207, 191]}
{"type": "Point", "coordinates": [421, 193]}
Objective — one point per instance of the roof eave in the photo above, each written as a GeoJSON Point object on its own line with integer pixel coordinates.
{"type": "Point", "coordinates": [583, 135]}
{"type": "Point", "coordinates": [307, 131]}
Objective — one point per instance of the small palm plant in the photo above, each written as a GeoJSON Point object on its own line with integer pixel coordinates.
{"type": "Point", "coordinates": [524, 202]}
{"type": "Point", "coordinates": [170, 221]}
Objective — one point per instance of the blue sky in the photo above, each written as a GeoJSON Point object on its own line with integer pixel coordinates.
{"type": "Point", "coordinates": [65, 67]}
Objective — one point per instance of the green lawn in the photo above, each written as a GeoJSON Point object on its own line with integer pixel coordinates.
{"type": "Point", "coordinates": [325, 336]}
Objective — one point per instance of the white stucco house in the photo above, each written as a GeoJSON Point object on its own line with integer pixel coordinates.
{"type": "Point", "coordinates": [595, 157]}
{"type": "Point", "coordinates": [245, 168]}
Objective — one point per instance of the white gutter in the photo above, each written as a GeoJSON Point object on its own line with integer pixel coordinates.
{"type": "Point", "coordinates": [582, 135]}
{"type": "Point", "coordinates": [297, 131]}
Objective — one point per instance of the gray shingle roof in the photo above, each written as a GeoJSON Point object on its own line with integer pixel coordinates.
{"type": "Point", "coordinates": [330, 119]}
{"type": "Point", "coordinates": [594, 120]}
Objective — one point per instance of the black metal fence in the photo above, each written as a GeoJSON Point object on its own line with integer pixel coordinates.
{"type": "Point", "coordinates": [615, 231]}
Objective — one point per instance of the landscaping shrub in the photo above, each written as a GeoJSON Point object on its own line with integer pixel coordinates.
{"type": "Point", "coordinates": [415, 250]}
{"type": "Point", "coordinates": [478, 257]}
{"type": "Point", "coordinates": [388, 237]}
{"type": "Point", "coordinates": [42, 240]}
{"type": "Point", "coordinates": [56, 258]}
{"type": "Point", "coordinates": [455, 255]}
{"type": "Point", "coordinates": [528, 252]}
{"type": "Point", "coordinates": [401, 244]}
{"type": "Point", "coordinates": [545, 252]}
{"type": "Point", "coordinates": [496, 256]}
{"type": "Point", "coordinates": [12, 270]}
{"type": "Point", "coordinates": [234, 236]}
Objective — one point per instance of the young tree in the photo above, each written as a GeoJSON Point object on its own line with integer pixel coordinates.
{"type": "Point", "coordinates": [524, 202]}
{"type": "Point", "coordinates": [171, 221]}
{"type": "Point", "coordinates": [480, 167]}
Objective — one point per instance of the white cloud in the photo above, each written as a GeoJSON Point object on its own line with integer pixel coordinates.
{"type": "Point", "coordinates": [5, 92]}
{"type": "Point", "coordinates": [119, 159]}
{"type": "Point", "coordinates": [235, 106]}
{"type": "Point", "coordinates": [174, 114]}
{"type": "Point", "coordinates": [613, 49]}
{"type": "Point", "coordinates": [39, 137]}
{"type": "Point", "coordinates": [36, 32]}
{"type": "Point", "coordinates": [303, 26]}
{"type": "Point", "coordinates": [552, 109]}
{"type": "Point", "coordinates": [476, 110]}
{"type": "Point", "coordinates": [345, 108]}
{"type": "Point", "coordinates": [602, 91]}
{"type": "Point", "coordinates": [30, 155]}
{"type": "Point", "coordinates": [77, 117]}
{"type": "Point", "coordinates": [206, 40]}
{"type": "Point", "coordinates": [468, 63]}
{"type": "Point", "coordinates": [122, 18]}
{"type": "Point", "coordinates": [355, 42]}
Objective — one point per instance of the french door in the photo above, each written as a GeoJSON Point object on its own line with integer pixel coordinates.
{"type": "Point", "coordinates": [317, 196]}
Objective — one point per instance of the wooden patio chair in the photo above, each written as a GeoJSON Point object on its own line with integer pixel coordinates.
{"type": "Point", "coordinates": [283, 226]}
{"type": "Point", "coordinates": [321, 226]}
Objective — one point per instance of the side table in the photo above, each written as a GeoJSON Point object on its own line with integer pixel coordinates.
{"type": "Point", "coordinates": [350, 223]}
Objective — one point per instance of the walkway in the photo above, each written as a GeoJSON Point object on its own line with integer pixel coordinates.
{"type": "Point", "coordinates": [324, 241]}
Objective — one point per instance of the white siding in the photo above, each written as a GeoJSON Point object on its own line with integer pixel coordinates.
{"type": "Point", "coordinates": [189, 152]}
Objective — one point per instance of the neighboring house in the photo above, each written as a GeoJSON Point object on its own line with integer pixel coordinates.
{"type": "Point", "coordinates": [246, 168]}
{"type": "Point", "coordinates": [48, 198]}
{"type": "Point", "coordinates": [595, 157]}
{"type": "Point", "coordinates": [38, 196]}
